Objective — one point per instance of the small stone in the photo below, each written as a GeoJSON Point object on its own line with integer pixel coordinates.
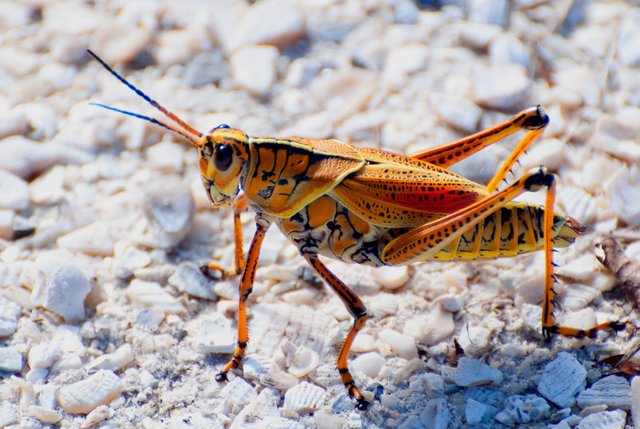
{"type": "Point", "coordinates": [404, 60]}
{"type": "Point", "coordinates": [170, 209]}
{"type": "Point", "coordinates": [43, 355]}
{"type": "Point", "coordinates": [152, 295]}
{"type": "Point", "coordinates": [84, 396]}
{"type": "Point", "coordinates": [254, 68]}
{"type": "Point", "coordinates": [188, 278]}
{"type": "Point", "coordinates": [205, 68]}
{"type": "Point", "coordinates": [8, 414]}
{"type": "Point", "coordinates": [24, 157]}
{"type": "Point", "coordinates": [522, 409]}
{"type": "Point", "coordinates": [303, 361]}
{"type": "Point", "coordinates": [304, 398]}
{"type": "Point", "coordinates": [507, 49]}
{"type": "Point", "coordinates": [403, 345]}
{"type": "Point", "coordinates": [472, 372]}
{"type": "Point", "coordinates": [613, 391]}
{"type": "Point", "coordinates": [48, 188]}
{"type": "Point", "coordinates": [13, 122]}
{"type": "Point", "coordinates": [478, 412]}
{"type": "Point", "coordinates": [502, 87]}
{"type": "Point", "coordinates": [114, 361]}
{"type": "Point", "coordinates": [623, 194]}
{"type": "Point", "coordinates": [44, 415]}
{"type": "Point", "coordinates": [459, 112]}
{"type": "Point", "coordinates": [212, 334]}
{"type": "Point", "coordinates": [270, 22]}
{"type": "Point", "coordinates": [63, 288]}
{"type": "Point", "coordinates": [431, 328]}
{"type": "Point", "coordinates": [369, 364]}
{"type": "Point", "coordinates": [166, 156]}
{"type": "Point", "coordinates": [14, 192]}
{"type": "Point", "coordinates": [562, 379]}
{"type": "Point", "coordinates": [628, 46]}
{"type": "Point", "coordinates": [478, 35]}
{"type": "Point", "coordinates": [9, 313]}
{"type": "Point", "coordinates": [436, 414]}
{"type": "Point", "coordinates": [635, 401]}
{"type": "Point", "coordinates": [488, 11]}
{"type": "Point", "coordinates": [96, 416]}
{"type": "Point", "coordinates": [10, 359]}
{"type": "Point", "coordinates": [604, 420]}
{"type": "Point", "coordinates": [7, 221]}
{"type": "Point", "coordinates": [391, 277]}
{"type": "Point", "coordinates": [93, 239]}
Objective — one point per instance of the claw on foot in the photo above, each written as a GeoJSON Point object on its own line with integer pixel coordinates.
{"type": "Point", "coordinates": [222, 377]}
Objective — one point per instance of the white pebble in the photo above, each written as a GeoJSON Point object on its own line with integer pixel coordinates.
{"type": "Point", "coordinates": [84, 396]}
{"type": "Point", "coordinates": [304, 398]}
{"type": "Point", "coordinates": [391, 277]}
{"type": "Point", "coordinates": [254, 68]}
{"type": "Point", "coordinates": [114, 361]}
{"type": "Point", "coordinates": [238, 392]}
{"type": "Point", "coordinates": [635, 400]}
{"type": "Point", "coordinates": [96, 416]}
{"type": "Point", "coordinates": [7, 221]}
{"type": "Point", "coordinates": [189, 279]}
{"type": "Point", "coordinates": [582, 80]}
{"type": "Point", "coordinates": [24, 157]}
{"type": "Point", "coordinates": [93, 239]}
{"type": "Point", "coordinates": [431, 328]}
{"type": "Point", "coordinates": [14, 192]}
{"type": "Point", "coordinates": [476, 412]}
{"type": "Point", "coordinates": [478, 35]}
{"type": "Point", "coordinates": [436, 414]}
{"type": "Point", "coordinates": [472, 372]}
{"type": "Point", "coordinates": [628, 46]}
{"type": "Point", "coordinates": [615, 419]}
{"type": "Point", "coordinates": [456, 111]}
{"type": "Point", "coordinates": [507, 49]}
{"type": "Point", "coordinates": [488, 11]}
{"type": "Point", "coordinates": [384, 304]}
{"type": "Point", "coordinates": [48, 188]}
{"type": "Point", "coordinates": [623, 194]}
{"type": "Point", "coordinates": [45, 415]}
{"type": "Point", "coordinates": [166, 156]}
{"type": "Point", "coordinates": [523, 409]}
{"type": "Point", "coordinates": [501, 87]}
{"type": "Point", "coordinates": [43, 355]}
{"type": "Point", "coordinates": [170, 209]}
{"type": "Point", "coordinates": [152, 295]}
{"type": "Point", "coordinates": [10, 359]}
{"type": "Point", "coordinates": [62, 288]}
{"type": "Point", "coordinates": [270, 22]}
{"type": "Point", "coordinates": [8, 414]}
{"type": "Point", "coordinates": [404, 60]}
{"type": "Point", "coordinates": [369, 364]}
{"type": "Point", "coordinates": [13, 122]}
{"type": "Point", "coordinates": [613, 391]}
{"type": "Point", "coordinates": [403, 345]}
{"type": "Point", "coordinates": [562, 379]}
{"type": "Point", "coordinates": [212, 334]}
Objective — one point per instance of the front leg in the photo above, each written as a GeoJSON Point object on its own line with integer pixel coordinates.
{"type": "Point", "coordinates": [240, 205]}
{"type": "Point", "coordinates": [246, 285]}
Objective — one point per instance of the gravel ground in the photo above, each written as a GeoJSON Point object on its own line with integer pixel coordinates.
{"type": "Point", "coordinates": [105, 318]}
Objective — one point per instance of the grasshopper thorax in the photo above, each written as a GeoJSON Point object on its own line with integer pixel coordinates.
{"type": "Point", "coordinates": [223, 154]}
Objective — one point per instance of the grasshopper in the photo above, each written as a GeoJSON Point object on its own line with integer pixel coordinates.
{"type": "Point", "coordinates": [369, 206]}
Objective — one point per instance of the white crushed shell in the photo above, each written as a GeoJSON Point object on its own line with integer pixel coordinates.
{"type": "Point", "coordinates": [189, 278]}
{"type": "Point", "coordinates": [303, 362]}
{"type": "Point", "coordinates": [61, 287]}
{"type": "Point", "coordinates": [114, 361]}
{"type": "Point", "coordinates": [254, 68]}
{"type": "Point", "coordinates": [304, 398]}
{"type": "Point", "coordinates": [238, 392]}
{"type": "Point", "coordinates": [24, 157]}
{"type": "Point", "coordinates": [93, 239]}
{"type": "Point", "coordinates": [613, 391]}
{"type": "Point", "coordinates": [96, 416]}
{"type": "Point", "coordinates": [635, 400]}
{"type": "Point", "coordinates": [152, 295]}
{"type": "Point", "coordinates": [192, 419]}
{"type": "Point", "coordinates": [523, 409]}
{"type": "Point", "coordinates": [401, 344]}
{"type": "Point", "coordinates": [562, 379]}
{"type": "Point", "coordinates": [623, 194]}
{"type": "Point", "coordinates": [43, 355]}
{"type": "Point", "coordinates": [404, 60]}
{"type": "Point", "coordinates": [459, 112]}
{"type": "Point", "coordinates": [48, 188]}
{"type": "Point", "coordinates": [472, 372]}
{"type": "Point", "coordinates": [13, 122]}
{"type": "Point", "coordinates": [369, 364]}
{"type": "Point", "coordinates": [436, 414]}
{"type": "Point", "coordinates": [14, 192]}
{"type": "Point", "coordinates": [254, 366]}
{"type": "Point", "coordinates": [615, 419]}
{"type": "Point", "coordinates": [488, 11]}
{"type": "Point", "coordinates": [44, 415]}
{"type": "Point", "coordinates": [10, 359]}
{"type": "Point", "coordinates": [166, 156]}
{"type": "Point", "coordinates": [7, 221]}
{"type": "Point", "coordinates": [256, 413]}
{"type": "Point", "coordinates": [391, 277]}
{"type": "Point", "coordinates": [383, 305]}
{"type": "Point", "coordinates": [84, 396]}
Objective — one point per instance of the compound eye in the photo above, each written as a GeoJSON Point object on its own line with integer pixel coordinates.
{"type": "Point", "coordinates": [221, 126]}
{"type": "Point", "coordinates": [223, 157]}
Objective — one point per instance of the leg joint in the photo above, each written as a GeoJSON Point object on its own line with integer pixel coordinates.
{"type": "Point", "coordinates": [539, 120]}
{"type": "Point", "coordinates": [539, 179]}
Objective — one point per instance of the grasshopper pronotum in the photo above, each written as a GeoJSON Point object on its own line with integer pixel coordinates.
{"type": "Point", "coordinates": [373, 207]}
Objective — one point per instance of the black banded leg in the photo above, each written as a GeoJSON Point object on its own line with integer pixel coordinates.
{"type": "Point", "coordinates": [246, 284]}
{"type": "Point", "coordinates": [357, 309]}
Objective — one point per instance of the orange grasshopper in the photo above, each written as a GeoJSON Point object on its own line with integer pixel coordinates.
{"type": "Point", "coordinates": [369, 206]}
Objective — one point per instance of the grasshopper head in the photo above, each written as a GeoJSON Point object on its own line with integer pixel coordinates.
{"type": "Point", "coordinates": [223, 153]}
